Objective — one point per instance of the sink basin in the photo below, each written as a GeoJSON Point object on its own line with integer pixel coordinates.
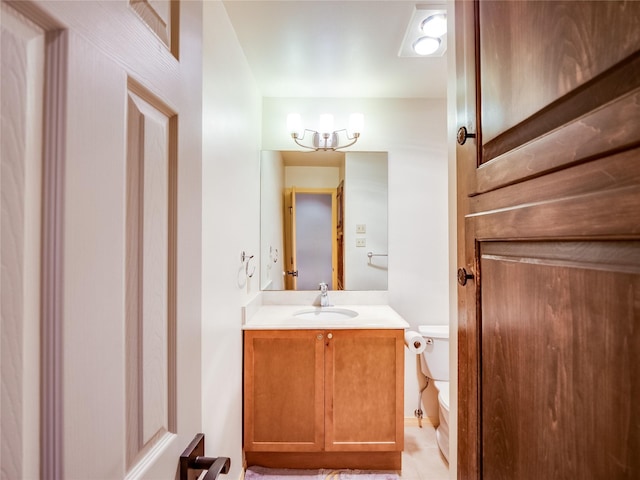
{"type": "Point", "coordinates": [325, 313]}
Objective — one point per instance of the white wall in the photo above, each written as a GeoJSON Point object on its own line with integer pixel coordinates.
{"type": "Point", "coordinates": [366, 203]}
{"type": "Point", "coordinates": [414, 133]}
{"type": "Point", "coordinates": [230, 210]}
{"type": "Point", "coordinates": [312, 177]}
{"type": "Point", "coordinates": [271, 233]}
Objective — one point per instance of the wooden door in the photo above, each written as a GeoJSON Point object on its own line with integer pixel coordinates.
{"type": "Point", "coordinates": [339, 285]}
{"type": "Point", "coordinates": [549, 227]}
{"type": "Point", "coordinates": [118, 144]}
{"type": "Point", "coordinates": [364, 390]}
{"type": "Point", "coordinates": [290, 262]}
{"type": "Point", "coordinates": [311, 240]}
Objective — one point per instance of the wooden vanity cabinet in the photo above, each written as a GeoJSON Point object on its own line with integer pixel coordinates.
{"type": "Point", "coordinates": [324, 398]}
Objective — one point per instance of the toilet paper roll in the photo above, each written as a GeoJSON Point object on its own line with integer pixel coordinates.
{"type": "Point", "coordinates": [415, 342]}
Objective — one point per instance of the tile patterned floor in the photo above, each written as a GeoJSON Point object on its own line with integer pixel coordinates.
{"type": "Point", "coordinates": [421, 459]}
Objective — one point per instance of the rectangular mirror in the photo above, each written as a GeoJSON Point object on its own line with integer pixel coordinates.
{"type": "Point", "coordinates": [323, 218]}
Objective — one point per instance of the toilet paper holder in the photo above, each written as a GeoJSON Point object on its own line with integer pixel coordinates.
{"type": "Point", "coordinates": [429, 341]}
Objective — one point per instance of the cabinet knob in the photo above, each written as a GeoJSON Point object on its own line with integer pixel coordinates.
{"type": "Point", "coordinates": [329, 336]}
{"type": "Point", "coordinates": [319, 337]}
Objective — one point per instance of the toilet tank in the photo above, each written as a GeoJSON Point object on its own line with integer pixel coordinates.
{"type": "Point", "coordinates": [434, 361]}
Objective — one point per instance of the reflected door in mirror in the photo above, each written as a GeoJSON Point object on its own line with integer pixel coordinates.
{"type": "Point", "coordinates": [311, 238]}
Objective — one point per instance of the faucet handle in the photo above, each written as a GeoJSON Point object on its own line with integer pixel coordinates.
{"type": "Point", "coordinates": [323, 287]}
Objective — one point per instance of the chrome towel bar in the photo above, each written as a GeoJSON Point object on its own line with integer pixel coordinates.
{"type": "Point", "coordinates": [371, 255]}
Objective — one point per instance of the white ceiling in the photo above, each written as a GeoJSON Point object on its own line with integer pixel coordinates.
{"type": "Point", "coordinates": [334, 49]}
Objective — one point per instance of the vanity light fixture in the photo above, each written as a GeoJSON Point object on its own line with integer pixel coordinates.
{"type": "Point", "coordinates": [325, 138]}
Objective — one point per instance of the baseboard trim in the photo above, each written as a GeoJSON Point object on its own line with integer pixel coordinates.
{"type": "Point", "coordinates": [350, 460]}
{"type": "Point", "coordinates": [426, 422]}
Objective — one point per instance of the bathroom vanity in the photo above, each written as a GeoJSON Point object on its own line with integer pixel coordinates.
{"type": "Point", "coordinates": [325, 392]}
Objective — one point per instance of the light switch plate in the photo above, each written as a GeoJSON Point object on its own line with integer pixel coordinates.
{"type": "Point", "coordinates": [361, 242]}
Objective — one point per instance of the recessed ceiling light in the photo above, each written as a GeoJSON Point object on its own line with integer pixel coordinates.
{"type": "Point", "coordinates": [426, 45]}
{"type": "Point", "coordinates": [435, 25]}
{"type": "Point", "coordinates": [425, 17]}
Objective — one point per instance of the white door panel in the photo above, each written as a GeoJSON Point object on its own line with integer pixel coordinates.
{"type": "Point", "coordinates": [22, 66]}
{"type": "Point", "coordinates": [93, 342]}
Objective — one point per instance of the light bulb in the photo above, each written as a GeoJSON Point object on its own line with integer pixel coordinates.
{"type": "Point", "coordinates": [325, 125]}
{"type": "Point", "coordinates": [426, 45]}
{"type": "Point", "coordinates": [435, 25]}
{"type": "Point", "coordinates": [294, 124]}
{"type": "Point", "coordinates": [356, 122]}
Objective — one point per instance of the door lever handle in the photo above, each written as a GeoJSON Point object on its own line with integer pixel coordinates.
{"type": "Point", "coordinates": [193, 459]}
{"type": "Point", "coordinates": [214, 466]}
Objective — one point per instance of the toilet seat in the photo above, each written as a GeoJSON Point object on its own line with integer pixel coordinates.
{"type": "Point", "coordinates": [443, 393]}
{"type": "Point", "coordinates": [442, 432]}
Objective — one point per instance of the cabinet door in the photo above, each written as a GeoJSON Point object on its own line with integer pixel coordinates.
{"type": "Point", "coordinates": [364, 395]}
{"type": "Point", "coordinates": [284, 391]}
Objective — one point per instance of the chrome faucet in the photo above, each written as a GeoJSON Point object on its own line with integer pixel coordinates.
{"type": "Point", "coordinates": [324, 295]}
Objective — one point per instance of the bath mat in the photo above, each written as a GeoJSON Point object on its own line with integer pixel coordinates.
{"type": "Point", "coordinates": [261, 473]}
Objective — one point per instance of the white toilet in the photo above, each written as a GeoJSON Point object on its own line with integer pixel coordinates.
{"type": "Point", "coordinates": [434, 362]}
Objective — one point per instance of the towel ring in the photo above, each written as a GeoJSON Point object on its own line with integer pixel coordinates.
{"type": "Point", "coordinates": [246, 260]}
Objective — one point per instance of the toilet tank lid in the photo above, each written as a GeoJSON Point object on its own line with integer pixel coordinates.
{"type": "Point", "coordinates": [435, 331]}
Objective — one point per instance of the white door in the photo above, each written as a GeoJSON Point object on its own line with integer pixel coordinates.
{"type": "Point", "coordinates": [119, 248]}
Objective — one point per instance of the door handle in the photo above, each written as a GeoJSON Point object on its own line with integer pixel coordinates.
{"type": "Point", "coordinates": [463, 134]}
{"type": "Point", "coordinates": [293, 273]}
{"type": "Point", "coordinates": [463, 276]}
{"type": "Point", "coordinates": [219, 465]}
{"type": "Point", "coordinates": [193, 459]}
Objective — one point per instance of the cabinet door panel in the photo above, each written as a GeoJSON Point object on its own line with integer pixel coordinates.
{"type": "Point", "coordinates": [364, 390]}
{"type": "Point", "coordinates": [284, 391]}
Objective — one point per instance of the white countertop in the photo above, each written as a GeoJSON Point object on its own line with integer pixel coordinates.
{"type": "Point", "coordinates": [282, 317]}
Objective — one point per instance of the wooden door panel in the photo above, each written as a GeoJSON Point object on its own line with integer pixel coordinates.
{"type": "Point", "coordinates": [364, 385]}
{"type": "Point", "coordinates": [560, 45]}
{"type": "Point", "coordinates": [532, 123]}
{"type": "Point", "coordinates": [559, 349]}
{"type": "Point", "coordinates": [284, 391]}
{"type": "Point", "coordinates": [564, 135]}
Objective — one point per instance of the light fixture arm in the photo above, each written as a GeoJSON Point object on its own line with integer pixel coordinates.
{"type": "Point", "coordinates": [329, 139]}
{"type": "Point", "coordinates": [297, 138]}
{"type": "Point", "coordinates": [321, 141]}
{"type": "Point", "coordinates": [354, 138]}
